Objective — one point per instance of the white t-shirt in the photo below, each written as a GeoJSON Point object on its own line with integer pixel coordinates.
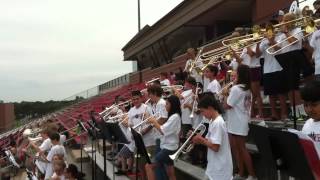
{"type": "Point", "coordinates": [45, 147]}
{"type": "Point", "coordinates": [61, 177]}
{"type": "Point", "coordinates": [312, 128]}
{"type": "Point", "coordinates": [56, 149]}
{"type": "Point", "coordinates": [239, 115]}
{"type": "Point", "coordinates": [252, 62]}
{"type": "Point", "coordinates": [171, 129]}
{"type": "Point", "coordinates": [234, 64]}
{"type": "Point", "coordinates": [270, 63]}
{"type": "Point", "coordinates": [219, 163]}
{"type": "Point", "coordinates": [214, 87]}
{"type": "Point", "coordinates": [315, 44]}
{"type": "Point", "coordinates": [297, 33]}
{"type": "Point", "coordinates": [185, 112]}
{"type": "Point", "coordinates": [135, 117]}
{"type": "Point", "coordinates": [165, 82]}
{"type": "Point", "coordinates": [158, 110]}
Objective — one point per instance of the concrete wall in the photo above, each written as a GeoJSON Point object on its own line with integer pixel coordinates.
{"type": "Point", "coordinates": [6, 116]}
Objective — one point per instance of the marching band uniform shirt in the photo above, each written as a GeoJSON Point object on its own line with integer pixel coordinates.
{"type": "Point", "coordinates": [297, 33]}
{"type": "Point", "coordinates": [219, 165]}
{"type": "Point", "coordinates": [56, 149]}
{"type": "Point", "coordinates": [239, 115]}
{"type": "Point", "coordinates": [270, 63]}
{"type": "Point", "coordinates": [171, 129]}
{"type": "Point", "coordinates": [315, 44]}
{"type": "Point", "coordinates": [185, 112]}
{"type": "Point", "coordinates": [165, 82]}
{"type": "Point", "coordinates": [214, 86]}
{"type": "Point", "coordinates": [312, 129]}
{"type": "Point", "coordinates": [252, 62]}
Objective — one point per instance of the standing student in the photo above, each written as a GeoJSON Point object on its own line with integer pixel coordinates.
{"type": "Point", "coordinates": [164, 81]}
{"type": "Point", "coordinates": [315, 44]}
{"type": "Point", "coordinates": [249, 57]}
{"type": "Point", "coordinates": [238, 106]}
{"type": "Point", "coordinates": [157, 109]}
{"type": "Point", "coordinates": [169, 141]}
{"type": "Point", "coordinates": [191, 53]}
{"type": "Point", "coordinates": [291, 34]}
{"type": "Point", "coordinates": [310, 93]}
{"type": "Point", "coordinates": [219, 158]}
{"type": "Point", "coordinates": [57, 149]}
{"type": "Point", "coordinates": [211, 73]}
{"type": "Point", "coordinates": [274, 81]}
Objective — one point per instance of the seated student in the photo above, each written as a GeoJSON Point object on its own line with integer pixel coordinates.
{"type": "Point", "coordinates": [58, 170]}
{"type": "Point", "coordinates": [72, 173]}
{"type": "Point", "coordinates": [310, 93]}
{"type": "Point", "coordinates": [169, 141]}
{"type": "Point", "coordinates": [57, 149]}
{"type": "Point", "coordinates": [219, 158]}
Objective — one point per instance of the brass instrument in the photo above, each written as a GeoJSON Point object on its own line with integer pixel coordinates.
{"type": "Point", "coordinates": [194, 102]}
{"type": "Point", "coordinates": [144, 121]}
{"type": "Point", "coordinates": [187, 146]}
{"type": "Point", "coordinates": [193, 63]}
{"type": "Point", "coordinates": [309, 28]}
{"type": "Point", "coordinates": [151, 81]}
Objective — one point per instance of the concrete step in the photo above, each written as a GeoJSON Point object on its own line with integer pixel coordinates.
{"type": "Point", "coordinates": [76, 155]}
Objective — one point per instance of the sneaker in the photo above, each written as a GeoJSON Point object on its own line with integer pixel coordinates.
{"type": "Point", "coordinates": [252, 178]}
{"type": "Point", "coordinates": [238, 177]}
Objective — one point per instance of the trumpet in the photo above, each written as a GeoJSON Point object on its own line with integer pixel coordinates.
{"type": "Point", "coordinates": [143, 122]}
{"type": "Point", "coordinates": [187, 146]}
{"type": "Point", "coordinates": [106, 110]}
{"type": "Point", "coordinates": [117, 116]}
{"type": "Point", "coordinates": [169, 88]}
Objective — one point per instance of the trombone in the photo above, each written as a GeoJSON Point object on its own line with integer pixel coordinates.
{"type": "Point", "coordinates": [151, 81]}
{"type": "Point", "coordinates": [194, 102]}
{"type": "Point", "coordinates": [187, 146]}
{"type": "Point", "coordinates": [309, 28]}
{"type": "Point", "coordinates": [193, 63]}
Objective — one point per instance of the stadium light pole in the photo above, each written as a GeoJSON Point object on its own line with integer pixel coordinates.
{"type": "Point", "coordinates": [139, 27]}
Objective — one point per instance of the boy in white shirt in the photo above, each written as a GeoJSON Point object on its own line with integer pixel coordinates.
{"type": "Point", "coordinates": [211, 73]}
{"type": "Point", "coordinates": [219, 153]}
{"type": "Point", "coordinates": [57, 149]}
{"type": "Point", "coordinates": [191, 53]}
{"type": "Point", "coordinates": [310, 93]}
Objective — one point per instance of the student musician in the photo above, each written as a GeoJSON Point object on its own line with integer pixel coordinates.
{"type": "Point", "coordinates": [164, 81]}
{"type": "Point", "coordinates": [310, 94]}
{"type": "Point", "coordinates": [238, 106]}
{"type": "Point", "coordinates": [169, 141]}
{"type": "Point", "coordinates": [219, 158]}
{"type": "Point", "coordinates": [290, 34]}
{"type": "Point", "coordinates": [191, 53]}
{"type": "Point", "coordinates": [273, 77]}
{"type": "Point", "coordinates": [57, 149]}
{"type": "Point", "coordinates": [249, 57]}
{"type": "Point", "coordinates": [186, 98]}
{"type": "Point", "coordinates": [315, 44]}
{"type": "Point", "coordinates": [157, 108]}
{"type": "Point", "coordinates": [211, 73]}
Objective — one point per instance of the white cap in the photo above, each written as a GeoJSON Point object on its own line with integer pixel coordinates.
{"type": "Point", "coordinates": [281, 13]}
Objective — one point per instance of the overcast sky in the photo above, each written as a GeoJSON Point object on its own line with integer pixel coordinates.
{"type": "Point", "coordinates": [52, 49]}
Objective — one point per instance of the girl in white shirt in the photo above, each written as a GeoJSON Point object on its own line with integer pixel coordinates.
{"type": "Point", "coordinates": [211, 73]}
{"type": "Point", "coordinates": [249, 57]}
{"type": "Point", "coordinates": [238, 112]}
{"type": "Point", "coordinates": [169, 141]}
{"type": "Point", "coordinates": [219, 158]}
